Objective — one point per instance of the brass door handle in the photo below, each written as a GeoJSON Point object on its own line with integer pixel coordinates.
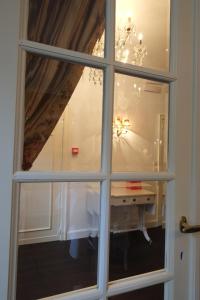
{"type": "Point", "coordinates": [186, 228]}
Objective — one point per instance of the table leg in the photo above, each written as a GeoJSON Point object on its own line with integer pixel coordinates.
{"type": "Point", "coordinates": [142, 227]}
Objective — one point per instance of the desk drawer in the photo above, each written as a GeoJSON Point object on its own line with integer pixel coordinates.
{"type": "Point", "coordinates": [132, 200]}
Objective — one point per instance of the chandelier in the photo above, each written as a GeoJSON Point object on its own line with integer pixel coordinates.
{"type": "Point", "coordinates": [129, 48]}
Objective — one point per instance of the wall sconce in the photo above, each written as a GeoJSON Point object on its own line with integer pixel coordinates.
{"type": "Point", "coordinates": [121, 126]}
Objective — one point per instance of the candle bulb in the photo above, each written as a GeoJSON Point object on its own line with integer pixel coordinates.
{"type": "Point", "coordinates": [140, 37]}
{"type": "Point", "coordinates": [129, 15]}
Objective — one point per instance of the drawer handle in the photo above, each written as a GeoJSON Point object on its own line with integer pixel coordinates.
{"type": "Point", "coordinates": [134, 199]}
{"type": "Point", "coordinates": [148, 199]}
{"type": "Point", "coordinates": [124, 200]}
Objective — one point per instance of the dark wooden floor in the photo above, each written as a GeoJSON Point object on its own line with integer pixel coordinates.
{"type": "Point", "coordinates": [151, 293]}
{"type": "Point", "coordinates": [46, 269]}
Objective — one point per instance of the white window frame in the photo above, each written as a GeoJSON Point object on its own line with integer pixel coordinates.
{"type": "Point", "coordinates": [105, 176]}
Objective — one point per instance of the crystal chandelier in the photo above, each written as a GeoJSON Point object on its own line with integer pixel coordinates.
{"type": "Point", "coordinates": [120, 126]}
{"type": "Point", "coordinates": [129, 48]}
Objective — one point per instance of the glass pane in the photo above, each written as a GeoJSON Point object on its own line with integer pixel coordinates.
{"type": "Point", "coordinates": [58, 238]}
{"type": "Point", "coordinates": [63, 116]}
{"type": "Point", "coordinates": [137, 241]}
{"type": "Point", "coordinates": [71, 24]}
{"type": "Point", "coordinates": [140, 125]}
{"type": "Point", "coordinates": [150, 293]}
{"type": "Point", "coordinates": [142, 33]}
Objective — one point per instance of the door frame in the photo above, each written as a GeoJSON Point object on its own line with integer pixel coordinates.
{"type": "Point", "coordinates": [9, 19]}
{"type": "Point", "coordinates": [9, 35]}
{"type": "Point", "coordinates": [194, 212]}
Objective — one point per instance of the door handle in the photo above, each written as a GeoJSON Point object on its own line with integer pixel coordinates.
{"type": "Point", "coordinates": [186, 228]}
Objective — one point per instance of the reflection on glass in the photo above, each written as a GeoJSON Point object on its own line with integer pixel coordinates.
{"type": "Point", "coordinates": [70, 24]}
{"type": "Point", "coordinates": [137, 242]}
{"type": "Point", "coordinates": [63, 116]}
{"type": "Point", "coordinates": [149, 293]}
{"type": "Point", "coordinates": [57, 238]}
{"type": "Point", "coordinates": [142, 33]}
{"type": "Point", "coordinates": [140, 125]}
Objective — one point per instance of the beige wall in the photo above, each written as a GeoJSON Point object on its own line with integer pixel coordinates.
{"type": "Point", "coordinates": [135, 151]}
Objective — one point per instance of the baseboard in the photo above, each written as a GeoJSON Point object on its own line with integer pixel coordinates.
{"type": "Point", "coordinates": [84, 233]}
{"type": "Point", "coordinates": [72, 234]}
{"type": "Point", "coordinates": [38, 240]}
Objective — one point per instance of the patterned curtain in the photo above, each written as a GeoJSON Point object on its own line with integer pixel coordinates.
{"type": "Point", "coordinates": [50, 83]}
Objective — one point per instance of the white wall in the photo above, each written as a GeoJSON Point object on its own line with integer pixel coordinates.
{"type": "Point", "coordinates": [137, 150]}
{"type": "Point", "coordinates": [82, 126]}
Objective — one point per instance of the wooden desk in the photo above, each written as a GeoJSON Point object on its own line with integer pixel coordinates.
{"type": "Point", "coordinates": [123, 195]}
{"type": "Point", "coordinates": [128, 196]}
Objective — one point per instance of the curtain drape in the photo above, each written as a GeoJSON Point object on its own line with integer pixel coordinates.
{"type": "Point", "coordinates": [50, 83]}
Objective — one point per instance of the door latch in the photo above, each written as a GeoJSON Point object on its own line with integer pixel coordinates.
{"type": "Point", "coordinates": [186, 228]}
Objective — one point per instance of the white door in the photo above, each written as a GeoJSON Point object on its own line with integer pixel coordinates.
{"type": "Point", "coordinates": [101, 181]}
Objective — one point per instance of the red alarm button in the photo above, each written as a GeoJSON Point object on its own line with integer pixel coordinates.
{"type": "Point", "coordinates": [75, 150]}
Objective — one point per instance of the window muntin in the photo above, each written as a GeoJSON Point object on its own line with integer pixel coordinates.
{"type": "Point", "coordinates": [109, 64]}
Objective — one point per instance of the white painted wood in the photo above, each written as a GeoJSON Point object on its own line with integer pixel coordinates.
{"type": "Point", "coordinates": [24, 11]}
{"type": "Point", "coordinates": [94, 61]}
{"type": "Point", "coordinates": [13, 243]}
{"type": "Point", "coordinates": [40, 210]}
{"type": "Point", "coordinates": [64, 211]}
{"type": "Point", "coordinates": [180, 152]}
{"type": "Point", "coordinates": [142, 72]}
{"type": "Point", "coordinates": [138, 282]}
{"type": "Point", "coordinates": [84, 294]}
{"type": "Point", "coordinates": [107, 136]}
{"type": "Point", "coordinates": [171, 196]}
{"type": "Point", "coordinates": [36, 204]}
{"type": "Point", "coordinates": [194, 213]}
{"type": "Point", "coordinates": [64, 54]}
{"type": "Point", "coordinates": [62, 176]}
{"type": "Point", "coordinates": [194, 272]}
{"type": "Point", "coordinates": [20, 110]}
{"type": "Point", "coordinates": [38, 239]}
{"type": "Point", "coordinates": [58, 176]}
{"type": "Point", "coordinates": [9, 31]}
{"type": "Point", "coordinates": [41, 204]}
{"type": "Point", "coordinates": [183, 142]}
{"type": "Point", "coordinates": [103, 259]}
{"type": "Point", "coordinates": [169, 226]}
{"type": "Point", "coordinates": [19, 136]}
{"type": "Point", "coordinates": [146, 176]}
